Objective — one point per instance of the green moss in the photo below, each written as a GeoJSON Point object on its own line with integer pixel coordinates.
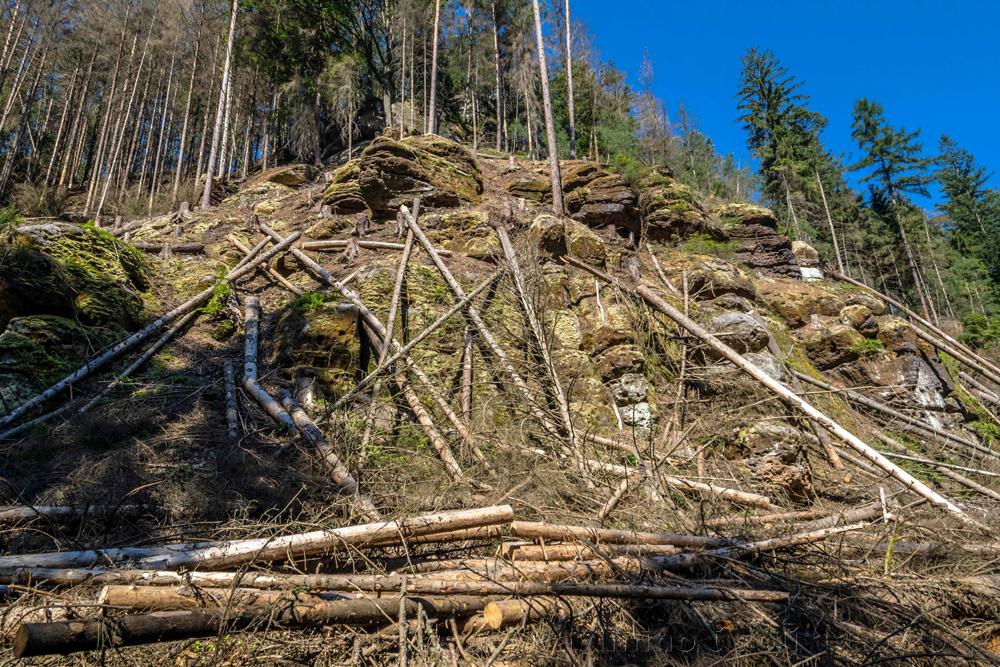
{"type": "Point", "coordinates": [308, 302]}
{"type": "Point", "coordinates": [868, 347]}
{"type": "Point", "coordinates": [703, 244]}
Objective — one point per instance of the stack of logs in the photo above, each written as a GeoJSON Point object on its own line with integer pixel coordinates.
{"type": "Point", "coordinates": [538, 571]}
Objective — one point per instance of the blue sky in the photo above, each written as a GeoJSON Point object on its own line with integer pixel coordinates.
{"type": "Point", "coordinates": [933, 64]}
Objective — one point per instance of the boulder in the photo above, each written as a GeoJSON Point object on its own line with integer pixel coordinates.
{"type": "Point", "coordinates": [768, 363]}
{"type": "Point", "coordinates": [805, 254]}
{"type": "Point", "coordinates": [291, 175]}
{"type": "Point", "coordinates": [796, 302]}
{"type": "Point", "coordinates": [620, 360]}
{"type": "Point", "coordinates": [38, 350]}
{"type": "Point", "coordinates": [317, 336]}
{"type": "Point", "coordinates": [774, 451]}
{"type": "Point", "coordinates": [708, 277]}
{"type": "Point", "coordinates": [876, 306]}
{"type": "Point", "coordinates": [740, 331]}
{"type": "Point", "coordinates": [670, 211]}
{"type": "Point", "coordinates": [759, 245]}
{"type": "Point", "coordinates": [830, 345]}
{"type": "Point", "coordinates": [861, 319]}
{"type": "Point", "coordinates": [391, 172]}
{"type": "Point", "coordinates": [555, 238]}
{"type": "Point", "coordinates": [466, 231]}
{"type": "Point", "coordinates": [897, 335]}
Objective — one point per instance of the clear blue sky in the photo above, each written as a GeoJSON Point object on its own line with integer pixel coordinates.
{"type": "Point", "coordinates": [933, 64]}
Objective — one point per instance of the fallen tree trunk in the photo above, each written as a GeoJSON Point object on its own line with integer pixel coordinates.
{"type": "Point", "coordinates": [142, 359]}
{"type": "Point", "coordinates": [546, 552]}
{"type": "Point", "coordinates": [17, 513]}
{"type": "Point", "coordinates": [139, 336]}
{"type": "Point", "coordinates": [785, 394]}
{"type": "Point", "coordinates": [953, 347]}
{"type": "Point", "coordinates": [562, 533]}
{"type": "Point", "coordinates": [251, 331]}
{"type": "Point", "coordinates": [280, 279]}
{"type": "Point", "coordinates": [182, 248]}
{"type": "Point", "coordinates": [878, 406]}
{"type": "Point", "coordinates": [64, 637]}
{"type": "Point", "coordinates": [232, 417]}
{"type": "Point", "coordinates": [338, 471]}
{"type": "Point", "coordinates": [508, 613]}
{"type": "Point", "coordinates": [241, 552]}
{"type": "Point", "coordinates": [168, 598]}
{"type": "Point", "coordinates": [333, 244]}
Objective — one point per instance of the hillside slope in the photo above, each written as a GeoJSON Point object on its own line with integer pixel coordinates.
{"type": "Point", "coordinates": [702, 447]}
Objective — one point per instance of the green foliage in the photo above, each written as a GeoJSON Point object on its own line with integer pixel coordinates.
{"type": "Point", "coordinates": [307, 302]}
{"type": "Point", "coordinates": [893, 156]}
{"type": "Point", "coordinates": [868, 347]}
{"type": "Point", "coordinates": [703, 244]}
{"type": "Point", "coordinates": [981, 331]}
{"type": "Point", "coordinates": [217, 309]}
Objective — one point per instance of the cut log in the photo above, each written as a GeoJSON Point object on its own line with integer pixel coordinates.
{"type": "Point", "coordinates": [785, 394]}
{"type": "Point", "coordinates": [335, 244]}
{"type": "Point", "coordinates": [510, 613]}
{"type": "Point", "coordinates": [64, 637]}
{"type": "Point", "coordinates": [239, 552]}
{"type": "Point", "coordinates": [547, 552]}
{"type": "Point", "coordinates": [139, 336]}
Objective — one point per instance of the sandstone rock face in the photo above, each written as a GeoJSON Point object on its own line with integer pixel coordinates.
{"type": "Point", "coordinates": [773, 452]}
{"type": "Point", "coordinates": [466, 231]}
{"type": "Point", "coordinates": [897, 335]}
{"type": "Point", "coordinates": [760, 246]}
{"type": "Point", "coordinates": [555, 238]}
{"type": "Point", "coordinates": [805, 254]}
{"type": "Point", "coordinates": [670, 211]}
{"type": "Point", "coordinates": [391, 172]}
{"type": "Point", "coordinates": [861, 319]}
{"type": "Point", "coordinates": [708, 277]}
{"type": "Point", "coordinates": [830, 345]}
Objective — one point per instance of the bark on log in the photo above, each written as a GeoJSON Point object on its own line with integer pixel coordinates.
{"type": "Point", "coordinates": [547, 552]}
{"type": "Point", "coordinates": [251, 331]}
{"type": "Point", "coordinates": [17, 513]}
{"type": "Point", "coordinates": [370, 245]}
{"type": "Point", "coordinates": [241, 552]}
{"type": "Point", "coordinates": [561, 533]}
{"type": "Point", "coordinates": [136, 338]}
{"type": "Point", "coordinates": [182, 248]}
{"type": "Point", "coordinates": [167, 598]}
{"type": "Point", "coordinates": [232, 417]}
{"type": "Point", "coordinates": [786, 395]}
{"type": "Point", "coordinates": [64, 637]}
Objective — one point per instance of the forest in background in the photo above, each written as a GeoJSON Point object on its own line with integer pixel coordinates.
{"type": "Point", "coordinates": [125, 107]}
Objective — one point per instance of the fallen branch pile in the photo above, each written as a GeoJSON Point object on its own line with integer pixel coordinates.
{"type": "Point", "coordinates": [184, 591]}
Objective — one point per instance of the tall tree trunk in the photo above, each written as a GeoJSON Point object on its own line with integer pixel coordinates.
{"type": "Point", "coordinates": [550, 128]}
{"type": "Point", "coordinates": [432, 114]}
{"type": "Point", "coordinates": [57, 142]}
{"type": "Point", "coordinates": [184, 127]}
{"type": "Point", "coordinates": [402, 81]}
{"type": "Point", "coordinates": [496, 67]}
{"type": "Point", "coordinates": [569, 85]}
{"type": "Point", "coordinates": [78, 130]}
{"type": "Point", "coordinates": [917, 282]}
{"type": "Point", "coordinates": [829, 220]}
{"type": "Point", "coordinates": [165, 115]}
{"type": "Point", "coordinates": [937, 271]}
{"type": "Point", "coordinates": [206, 197]}
{"type": "Point", "coordinates": [223, 161]}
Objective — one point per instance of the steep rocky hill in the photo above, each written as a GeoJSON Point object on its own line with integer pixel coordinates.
{"type": "Point", "coordinates": [701, 446]}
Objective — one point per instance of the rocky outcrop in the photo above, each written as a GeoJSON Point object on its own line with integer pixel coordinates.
{"type": "Point", "coordinates": [707, 277]}
{"type": "Point", "coordinates": [759, 245]}
{"type": "Point", "coordinates": [392, 172]}
{"type": "Point", "coordinates": [290, 175]}
{"type": "Point", "coordinates": [555, 238]}
{"type": "Point", "coordinates": [670, 211]}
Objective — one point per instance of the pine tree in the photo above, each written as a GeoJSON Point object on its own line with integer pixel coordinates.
{"type": "Point", "coordinates": [897, 168]}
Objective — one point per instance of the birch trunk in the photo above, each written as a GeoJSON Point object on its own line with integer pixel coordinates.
{"type": "Point", "coordinates": [550, 128]}
{"type": "Point", "coordinates": [206, 197]}
{"type": "Point", "coordinates": [432, 113]}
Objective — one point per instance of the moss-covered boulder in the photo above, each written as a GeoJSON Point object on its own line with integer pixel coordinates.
{"type": "Point", "coordinates": [465, 231]}
{"type": "Point", "coordinates": [291, 175]}
{"type": "Point", "coordinates": [316, 335]}
{"type": "Point", "coordinates": [598, 198]}
{"type": "Point", "coordinates": [554, 238]}
{"type": "Point", "coordinates": [38, 350]}
{"type": "Point", "coordinates": [831, 344]}
{"type": "Point", "coordinates": [861, 319]}
{"type": "Point", "coordinates": [671, 211]}
{"type": "Point", "coordinates": [391, 172]}
{"type": "Point", "coordinates": [79, 272]}
{"type": "Point", "coordinates": [708, 277]}
{"type": "Point", "coordinates": [796, 302]}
